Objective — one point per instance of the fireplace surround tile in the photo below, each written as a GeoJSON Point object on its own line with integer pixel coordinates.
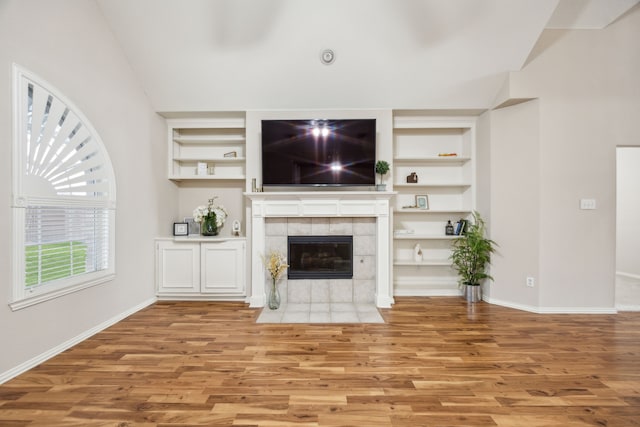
{"type": "Point", "coordinates": [364, 267]}
{"type": "Point", "coordinates": [364, 291]}
{"type": "Point", "coordinates": [320, 226]}
{"type": "Point", "coordinates": [320, 291]}
{"type": "Point", "coordinates": [300, 292]}
{"type": "Point", "coordinates": [341, 290]}
{"type": "Point", "coordinates": [364, 245]}
{"type": "Point", "coordinates": [360, 289]}
{"type": "Point", "coordinates": [339, 226]}
{"type": "Point", "coordinates": [299, 227]}
{"type": "Point", "coordinates": [322, 313]}
{"type": "Point", "coordinates": [276, 227]}
{"type": "Point", "coordinates": [364, 226]}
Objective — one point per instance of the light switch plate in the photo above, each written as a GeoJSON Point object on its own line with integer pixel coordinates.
{"type": "Point", "coordinates": [587, 204]}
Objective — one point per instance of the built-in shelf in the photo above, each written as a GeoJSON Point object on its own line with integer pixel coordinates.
{"type": "Point", "coordinates": [417, 236]}
{"type": "Point", "coordinates": [432, 160]}
{"type": "Point", "coordinates": [432, 211]}
{"type": "Point", "coordinates": [424, 263]}
{"type": "Point", "coordinates": [207, 178]}
{"type": "Point", "coordinates": [210, 159]}
{"type": "Point", "coordinates": [210, 139]}
{"type": "Point", "coordinates": [218, 140]}
{"type": "Point", "coordinates": [420, 139]}
{"type": "Point", "coordinates": [433, 185]}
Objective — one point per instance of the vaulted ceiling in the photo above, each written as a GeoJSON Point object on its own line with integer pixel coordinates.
{"type": "Point", "coordinates": [208, 55]}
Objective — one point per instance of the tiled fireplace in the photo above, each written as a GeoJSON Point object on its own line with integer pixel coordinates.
{"type": "Point", "coordinates": [363, 215]}
{"type": "Point", "coordinates": [358, 289]}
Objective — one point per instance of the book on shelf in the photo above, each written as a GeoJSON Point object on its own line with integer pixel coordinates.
{"type": "Point", "coordinates": [461, 227]}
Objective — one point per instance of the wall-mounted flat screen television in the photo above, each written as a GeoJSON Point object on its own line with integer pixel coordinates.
{"type": "Point", "coordinates": [318, 152]}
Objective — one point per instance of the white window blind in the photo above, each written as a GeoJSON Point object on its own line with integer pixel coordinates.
{"type": "Point", "coordinates": [64, 196]}
{"type": "Point", "coordinates": [64, 242]}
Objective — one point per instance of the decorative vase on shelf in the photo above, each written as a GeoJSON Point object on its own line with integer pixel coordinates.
{"type": "Point", "coordinates": [417, 253]}
{"type": "Point", "coordinates": [209, 226]}
{"type": "Point", "coordinates": [274, 296]}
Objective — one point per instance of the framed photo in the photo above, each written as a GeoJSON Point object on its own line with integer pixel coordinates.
{"type": "Point", "coordinates": [180, 229]}
{"type": "Point", "coordinates": [422, 202]}
{"type": "Point", "coordinates": [194, 227]}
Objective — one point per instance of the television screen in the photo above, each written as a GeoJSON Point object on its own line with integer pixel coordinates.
{"type": "Point", "coordinates": [318, 152]}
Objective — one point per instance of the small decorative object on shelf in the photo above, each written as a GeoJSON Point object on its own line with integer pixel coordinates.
{"type": "Point", "coordinates": [211, 170]}
{"type": "Point", "coordinates": [461, 227]}
{"type": "Point", "coordinates": [201, 169]}
{"type": "Point", "coordinates": [194, 227]}
{"type": "Point", "coordinates": [449, 228]}
{"type": "Point", "coordinates": [403, 232]}
{"type": "Point", "coordinates": [231, 154]}
{"type": "Point", "coordinates": [413, 178]}
{"type": "Point", "coordinates": [210, 217]}
{"type": "Point", "coordinates": [235, 228]}
{"type": "Point", "coordinates": [276, 265]}
{"type": "Point", "coordinates": [180, 229]}
{"type": "Point", "coordinates": [417, 253]}
{"type": "Point", "coordinates": [422, 202]}
{"type": "Point", "coordinates": [382, 167]}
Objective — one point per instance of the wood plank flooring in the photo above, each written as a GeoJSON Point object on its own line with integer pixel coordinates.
{"type": "Point", "coordinates": [436, 362]}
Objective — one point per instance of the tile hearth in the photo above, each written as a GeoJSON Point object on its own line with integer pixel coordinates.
{"type": "Point", "coordinates": [342, 312]}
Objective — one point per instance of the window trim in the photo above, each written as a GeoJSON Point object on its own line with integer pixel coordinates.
{"type": "Point", "coordinates": [21, 296]}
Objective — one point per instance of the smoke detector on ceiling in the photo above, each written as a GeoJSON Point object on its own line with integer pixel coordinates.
{"type": "Point", "coordinates": [327, 56]}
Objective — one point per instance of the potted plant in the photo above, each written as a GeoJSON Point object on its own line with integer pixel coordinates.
{"type": "Point", "coordinates": [471, 256]}
{"type": "Point", "coordinates": [210, 217]}
{"type": "Point", "coordinates": [382, 167]}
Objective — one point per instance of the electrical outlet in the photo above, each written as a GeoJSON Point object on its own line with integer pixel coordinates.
{"type": "Point", "coordinates": [587, 204]}
{"type": "Point", "coordinates": [531, 282]}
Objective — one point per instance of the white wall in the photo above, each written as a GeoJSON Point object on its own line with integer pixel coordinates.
{"type": "Point", "coordinates": [515, 204]}
{"type": "Point", "coordinates": [67, 43]}
{"type": "Point", "coordinates": [589, 103]}
{"type": "Point", "coordinates": [628, 211]}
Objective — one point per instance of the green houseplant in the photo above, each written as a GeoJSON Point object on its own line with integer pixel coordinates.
{"type": "Point", "coordinates": [471, 256]}
{"type": "Point", "coordinates": [382, 167]}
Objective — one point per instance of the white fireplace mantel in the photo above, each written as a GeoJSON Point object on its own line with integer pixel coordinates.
{"type": "Point", "coordinates": [321, 204]}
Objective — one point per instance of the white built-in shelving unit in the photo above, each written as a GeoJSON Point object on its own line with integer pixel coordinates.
{"type": "Point", "coordinates": [440, 150]}
{"type": "Point", "coordinates": [437, 146]}
{"type": "Point", "coordinates": [217, 141]}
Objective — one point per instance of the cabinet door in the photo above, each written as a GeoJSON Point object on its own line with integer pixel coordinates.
{"type": "Point", "coordinates": [178, 267]}
{"type": "Point", "coordinates": [223, 268]}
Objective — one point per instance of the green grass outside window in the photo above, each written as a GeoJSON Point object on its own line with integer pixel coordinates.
{"type": "Point", "coordinates": [54, 261]}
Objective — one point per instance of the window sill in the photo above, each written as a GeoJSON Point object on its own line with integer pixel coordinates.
{"type": "Point", "coordinates": [46, 296]}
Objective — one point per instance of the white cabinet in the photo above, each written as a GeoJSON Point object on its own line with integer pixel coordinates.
{"type": "Point", "coordinates": [178, 267]}
{"type": "Point", "coordinates": [440, 151]}
{"type": "Point", "coordinates": [201, 268]}
{"type": "Point", "coordinates": [222, 268]}
{"type": "Point", "coordinates": [215, 142]}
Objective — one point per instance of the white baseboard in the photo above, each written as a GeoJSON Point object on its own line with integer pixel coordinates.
{"type": "Point", "coordinates": [35, 361]}
{"type": "Point", "coordinates": [628, 275]}
{"type": "Point", "coordinates": [426, 292]}
{"type": "Point", "coordinates": [553, 310]}
{"type": "Point", "coordinates": [628, 307]}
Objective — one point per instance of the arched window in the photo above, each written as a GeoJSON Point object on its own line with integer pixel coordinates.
{"type": "Point", "coordinates": [64, 196]}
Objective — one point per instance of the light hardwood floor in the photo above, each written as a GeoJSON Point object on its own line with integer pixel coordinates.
{"type": "Point", "coordinates": [436, 362]}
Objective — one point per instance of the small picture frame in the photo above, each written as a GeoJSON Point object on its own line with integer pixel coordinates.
{"type": "Point", "coordinates": [422, 202]}
{"type": "Point", "coordinates": [180, 229]}
{"type": "Point", "coordinates": [194, 227]}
